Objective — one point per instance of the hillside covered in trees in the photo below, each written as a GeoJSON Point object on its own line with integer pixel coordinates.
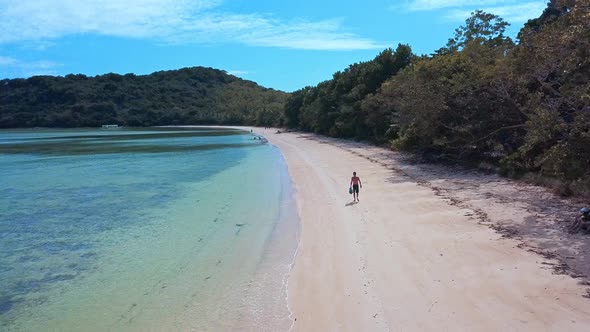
{"type": "Point", "coordinates": [187, 96]}
{"type": "Point", "coordinates": [484, 99]}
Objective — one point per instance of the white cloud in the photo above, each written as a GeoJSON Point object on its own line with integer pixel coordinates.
{"type": "Point", "coordinates": [7, 61]}
{"type": "Point", "coordinates": [239, 73]}
{"type": "Point", "coordinates": [421, 5]}
{"type": "Point", "coordinates": [41, 19]}
{"type": "Point", "coordinates": [513, 11]}
{"type": "Point", "coordinates": [168, 21]}
{"type": "Point", "coordinates": [11, 67]}
{"type": "Point", "coordinates": [321, 35]}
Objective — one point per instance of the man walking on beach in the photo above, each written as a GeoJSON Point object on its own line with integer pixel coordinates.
{"type": "Point", "coordinates": [355, 182]}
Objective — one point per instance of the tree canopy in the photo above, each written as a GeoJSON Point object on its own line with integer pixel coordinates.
{"type": "Point", "coordinates": [335, 107]}
{"type": "Point", "coordinates": [481, 99]}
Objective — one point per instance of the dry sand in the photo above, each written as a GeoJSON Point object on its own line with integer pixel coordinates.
{"type": "Point", "coordinates": [411, 256]}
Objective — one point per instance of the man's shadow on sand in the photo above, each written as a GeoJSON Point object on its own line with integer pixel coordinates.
{"type": "Point", "coordinates": [351, 203]}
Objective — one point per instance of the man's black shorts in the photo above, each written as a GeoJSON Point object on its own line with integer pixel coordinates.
{"type": "Point", "coordinates": [355, 188]}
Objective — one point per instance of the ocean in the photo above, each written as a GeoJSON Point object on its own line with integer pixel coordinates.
{"type": "Point", "coordinates": [154, 229]}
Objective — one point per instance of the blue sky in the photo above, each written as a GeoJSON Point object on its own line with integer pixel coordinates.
{"type": "Point", "coordinates": [284, 45]}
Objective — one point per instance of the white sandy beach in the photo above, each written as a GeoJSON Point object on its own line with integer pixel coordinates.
{"type": "Point", "coordinates": [406, 259]}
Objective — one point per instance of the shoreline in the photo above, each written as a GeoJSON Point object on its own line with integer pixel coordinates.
{"type": "Point", "coordinates": [265, 311]}
{"type": "Point", "coordinates": [408, 251]}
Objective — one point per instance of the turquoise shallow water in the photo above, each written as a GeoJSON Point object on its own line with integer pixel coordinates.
{"type": "Point", "coordinates": [154, 229]}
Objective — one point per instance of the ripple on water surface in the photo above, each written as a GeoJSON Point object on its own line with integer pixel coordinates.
{"type": "Point", "coordinates": [140, 229]}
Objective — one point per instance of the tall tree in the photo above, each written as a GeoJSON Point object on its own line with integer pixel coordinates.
{"type": "Point", "coordinates": [481, 27]}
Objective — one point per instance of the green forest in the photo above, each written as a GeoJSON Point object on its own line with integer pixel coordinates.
{"type": "Point", "coordinates": [520, 107]}
{"type": "Point", "coordinates": [187, 96]}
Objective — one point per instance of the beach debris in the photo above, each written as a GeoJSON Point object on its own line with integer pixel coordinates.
{"type": "Point", "coordinates": [239, 228]}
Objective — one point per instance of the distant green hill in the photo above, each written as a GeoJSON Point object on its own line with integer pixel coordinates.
{"type": "Point", "coordinates": [195, 95]}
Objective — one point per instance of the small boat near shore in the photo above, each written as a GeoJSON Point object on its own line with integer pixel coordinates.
{"type": "Point", "coordinates": [110, 126]}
